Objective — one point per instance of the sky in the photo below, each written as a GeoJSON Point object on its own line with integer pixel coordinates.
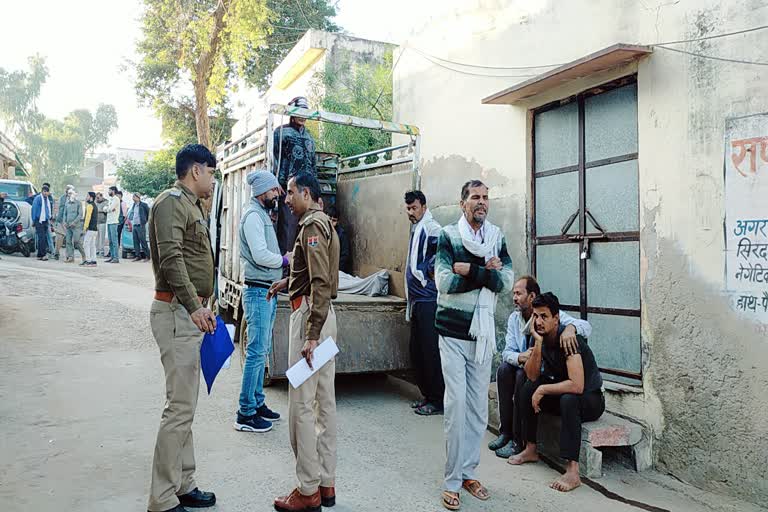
{"type": "Point", "coordinates": [88, 42]}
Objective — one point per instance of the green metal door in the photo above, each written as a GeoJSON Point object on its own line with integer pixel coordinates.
{"type": "Point", "coordinates": [586, 217]}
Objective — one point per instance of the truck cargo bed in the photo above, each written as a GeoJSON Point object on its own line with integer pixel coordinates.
{"type": "Point", "coordinates": [373, 335]}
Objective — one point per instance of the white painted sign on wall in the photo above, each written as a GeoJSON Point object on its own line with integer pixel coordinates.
{"type": "Point", "coordinates": [746, 215]}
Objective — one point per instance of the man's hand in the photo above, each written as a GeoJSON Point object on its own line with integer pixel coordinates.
{"type": "Point", "coordinates": [493, 264]}
{"type": "Point", "coordinates": [568, 341]}
{"type": "Point", "coordinates": [461, 269]}
{"type": "Point", "coordinates": [536, 400]}
{"type": "Point", "coordinates": [307, 349]}
{"type": "Point", "coordinates": [524, 356]}
{"type": "Point", "coordinates": [537, 338]}
{"type": "Point", "coordinates": [277, 287]}
{"type": "Point", "coordinates": [205, 320]}
{"type": "Point", "coordinates": [280, 189]}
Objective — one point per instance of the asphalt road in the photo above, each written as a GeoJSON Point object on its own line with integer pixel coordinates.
{"type": "Point", "coordinates": [81, 392]}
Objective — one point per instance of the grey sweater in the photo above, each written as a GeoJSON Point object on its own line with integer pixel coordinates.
{"type": "Point", "coordinates": [258, 246]}
{"type": "Point", "coordinates": [72, 213]}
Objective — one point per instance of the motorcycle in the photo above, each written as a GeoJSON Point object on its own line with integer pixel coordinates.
{"type": "Point", "coordinates": [13, 236]}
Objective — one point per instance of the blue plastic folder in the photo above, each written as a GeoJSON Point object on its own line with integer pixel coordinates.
{"type": "Point", "coordinates": [214, 351]}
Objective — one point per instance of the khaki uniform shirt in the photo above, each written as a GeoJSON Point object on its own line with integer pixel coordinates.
{"type": "Point", "coordinates": [315, 267]}
{"type": "Point", "coordinates": [182, 259]}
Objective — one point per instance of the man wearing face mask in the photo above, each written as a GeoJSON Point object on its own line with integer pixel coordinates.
{"type": "Point", "coordinates": [71, 215]}
{"type": "Point", "coordinates": [263, 266]}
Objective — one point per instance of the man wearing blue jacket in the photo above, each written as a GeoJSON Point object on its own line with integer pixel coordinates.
{"type": "Point", "coordinates": [511, 375]}
{"type": "Point", "coordinates": [41, 217]}
{"type": "Point", "coordinates": [421, 295]}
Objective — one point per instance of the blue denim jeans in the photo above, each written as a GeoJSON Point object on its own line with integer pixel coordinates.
{"type": "Point", "coordinates": [260, 315]}
{"type": "Point", "coordinates": [114, 245]}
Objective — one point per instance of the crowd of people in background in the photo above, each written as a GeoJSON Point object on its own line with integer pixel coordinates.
{"type": "Point", "coordinates": [91, 226]}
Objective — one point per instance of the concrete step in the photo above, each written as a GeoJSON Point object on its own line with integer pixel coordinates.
{"type": "Point", "coordinates": [608, 431]}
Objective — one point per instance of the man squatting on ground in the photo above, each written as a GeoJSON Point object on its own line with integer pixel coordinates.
{"type": "Point", "coordinates": [182, 262]}
{"type": "Point", "coordinates": [511, 375]}
{"type": "Point", "coordinates": [421, 297]}
{"type": "Point", "coordinates": [263, 266]}
{"type": "Point", "coordinates": [557, 383]}
{"type": "Point", "coordinates": [312, 283]}
{"type": "Point", "coordinates": [472, 267]}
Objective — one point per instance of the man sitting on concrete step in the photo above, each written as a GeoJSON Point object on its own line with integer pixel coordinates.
{"type": "Point", "coordinates": [569, 385]}
{"type": "Point", "coordinates": [510, 376]}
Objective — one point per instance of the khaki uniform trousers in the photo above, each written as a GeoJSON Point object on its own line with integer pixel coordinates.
{"type": "Point", "coordinates": [179, 341]}
{"type": "Point", "coordinates": [312, 410]}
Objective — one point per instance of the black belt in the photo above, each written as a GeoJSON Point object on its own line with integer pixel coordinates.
{"type": "Point", "coordinates": [258, 284]}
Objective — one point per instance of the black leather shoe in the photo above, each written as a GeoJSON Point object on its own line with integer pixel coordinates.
{"type": "Point", "coordinates": [198, 499]}
{"type": "Point", "coordinates": [177, 508]}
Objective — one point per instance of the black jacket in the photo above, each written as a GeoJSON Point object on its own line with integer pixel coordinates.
{"type": "Point", "coordinates": [345, 256]}
{"type": "Point", "coordinates": [143, 213]}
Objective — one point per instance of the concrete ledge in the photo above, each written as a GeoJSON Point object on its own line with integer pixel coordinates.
{"type": "Point", "coordinates": [608, 431]}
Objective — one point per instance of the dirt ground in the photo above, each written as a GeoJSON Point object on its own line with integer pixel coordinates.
{"type": "Point", "coordinates": [81, 392]}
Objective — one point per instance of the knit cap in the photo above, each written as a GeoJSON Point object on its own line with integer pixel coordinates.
{"type": "Point", "coordinates": [261, 181]}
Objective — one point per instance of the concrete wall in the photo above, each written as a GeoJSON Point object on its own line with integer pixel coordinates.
{"type": "Point", "coordinates": [705, 369]}
{"type": "Point", "coordinates": [378, 229]}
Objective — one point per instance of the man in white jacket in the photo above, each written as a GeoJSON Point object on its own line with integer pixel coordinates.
{"type": "Point", "coordinates": [113, 221]}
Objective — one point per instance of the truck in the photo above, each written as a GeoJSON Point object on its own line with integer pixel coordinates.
{"type": "Point", "coordinates": [373, 335]}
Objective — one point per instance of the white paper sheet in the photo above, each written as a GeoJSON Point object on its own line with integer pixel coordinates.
{"type": "Point", "coordinates": [300, 372]}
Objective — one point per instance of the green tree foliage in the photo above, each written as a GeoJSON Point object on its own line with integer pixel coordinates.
{"type": "Point", "coordinates": [362, 89]}
{"type": "Point", "coordinates": [198, 48]}
{"type": "Point", "coordinates": [149, 177]}
{"type": "Point", "coordinates": [289, 21]}
{"type": "Point", "coordinates": [193, 52]}
{"type": "Point", "coordinates": [19, 91]}
{"type": "Point", "coordinates": [179, 124]}
{"type": "Point", "coordinates": [54, 149]}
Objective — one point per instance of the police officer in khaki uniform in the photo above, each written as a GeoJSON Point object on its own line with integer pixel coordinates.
{"type": "Point", "coordinates": [182, 262]}
{"type": "Point", "coordinates": [313, 282]}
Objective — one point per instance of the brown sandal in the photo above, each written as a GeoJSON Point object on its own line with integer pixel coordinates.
{"type": "Point", "coordinates": [476, 489]}
{"type": "Point", "coordinates": [451, 500]}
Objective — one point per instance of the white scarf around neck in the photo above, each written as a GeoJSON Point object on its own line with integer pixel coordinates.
{"type": "Point", "coordinates": [483, 326]}
{"type": "Point", "coordinates": [413, 253]}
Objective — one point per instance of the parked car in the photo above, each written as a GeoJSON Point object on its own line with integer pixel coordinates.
{"type": "Point", "coordinates": [17, 190]}
{"type": "Point", "coordinates": [127, 239]}
{"type": "Point", "coordinates": [127, 242]}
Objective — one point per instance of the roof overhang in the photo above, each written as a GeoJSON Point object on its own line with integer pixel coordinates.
{"type": "Point", "coordinates": [307, 51]}
{"type": "Point", "coordinates": [603, 60]}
